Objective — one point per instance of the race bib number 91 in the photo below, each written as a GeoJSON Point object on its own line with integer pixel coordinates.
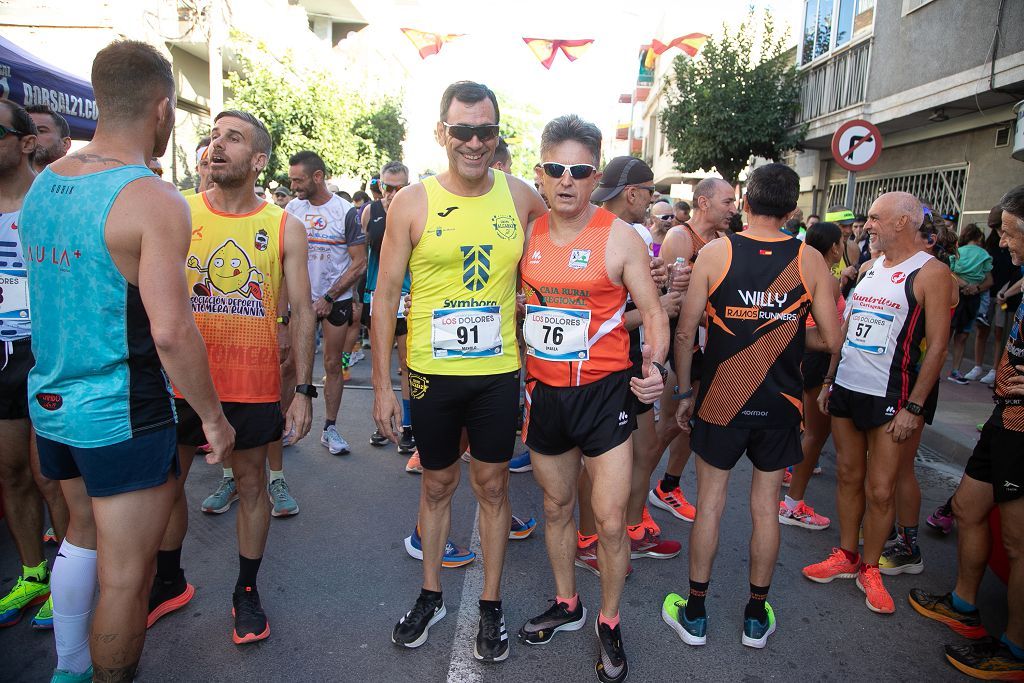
{"type": "Point", "coordinates": [557, 334]}
{"type": "Point", "coordinates": [466, 332]}
{"type": "Point", "coordinates": [869, 331]}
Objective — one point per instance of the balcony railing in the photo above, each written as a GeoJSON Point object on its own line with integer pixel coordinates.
{"type": "Point", "coordinates": [838, 82]}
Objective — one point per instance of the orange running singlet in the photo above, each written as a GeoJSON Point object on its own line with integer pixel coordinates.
{"type": "Point", "coordinates": [574, 328]}
{"type": "Point", "coordinates": [234, 277]}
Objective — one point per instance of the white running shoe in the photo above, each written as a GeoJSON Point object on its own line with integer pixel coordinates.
{"type": "Point", "coordinates": [332, 439]}
{"type": "Point", "coordinates": [975, 374]}
{"type": "Point", "coordinates": [989, 378]}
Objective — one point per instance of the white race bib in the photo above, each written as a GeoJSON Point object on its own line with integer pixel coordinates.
{"type": "Point", "coordinates": [869, 331]}
{"type": "Point", "coordinates": [466, 332]}
{"type": "Point", "coordinates": [558, 334]}
{"type": "Point", "coordinates": [401, 305]}
{"type": "Point", "coordinates": [14, 295]}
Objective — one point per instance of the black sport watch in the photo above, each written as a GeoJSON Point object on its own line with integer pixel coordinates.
{"type": "Point", "coordinates": [914, 409]}
{"type": "Point", "coordinates": [306, 390]}
{"type": "Point", "coordinates": [661, 368]}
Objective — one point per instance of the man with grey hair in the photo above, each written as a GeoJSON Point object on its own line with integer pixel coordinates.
{"type": "Point", "coordinates": [876, 390]}
{"type": "Point", "coordinates": [993, 477]}
{"type": "Point", "coordinates": [581, 263]}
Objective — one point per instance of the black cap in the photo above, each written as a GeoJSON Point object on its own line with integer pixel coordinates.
{"type": "Point", "coordinates": [620, 172]}
{"type": "Point", "coordinates": [281, 189]}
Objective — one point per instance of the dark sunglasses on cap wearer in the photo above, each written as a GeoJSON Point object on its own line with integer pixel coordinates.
{"type": "Point", "coordinates": [460, 131]}
{"type": "Point", "coordinates": [4, 130]}
{"type": "Point", "coordinates": [577, 171]}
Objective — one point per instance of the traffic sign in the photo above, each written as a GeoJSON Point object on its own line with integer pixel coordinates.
{"type": "Point", "coordinates": [856, 145]}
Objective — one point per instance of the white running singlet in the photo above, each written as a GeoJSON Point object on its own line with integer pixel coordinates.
{"type": "Point", "coordinates": [328, 241]}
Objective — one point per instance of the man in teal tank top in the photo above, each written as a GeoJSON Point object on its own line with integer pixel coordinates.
{"type": "Point", "coordinates": [111, 314]}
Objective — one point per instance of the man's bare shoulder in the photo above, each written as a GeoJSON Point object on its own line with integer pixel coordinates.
{"type": "Point", "coordinates": [153, 200]}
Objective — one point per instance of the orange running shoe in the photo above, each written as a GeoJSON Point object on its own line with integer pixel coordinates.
{"type": "Point", "coordinates": [835, 566]}
{"type": "Point", "coordinates": [413, 465]}
{"type": "Point", "coordinates": [869, 580]}
{"type": "Point", "coordinates": [674, 501]}
{"type": "Point", "coordinates": [649, 522]}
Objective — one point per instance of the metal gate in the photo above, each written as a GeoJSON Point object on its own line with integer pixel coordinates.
{"type": "Point", "coordinates": [942, 188]}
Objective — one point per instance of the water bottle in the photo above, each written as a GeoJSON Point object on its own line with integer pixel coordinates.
{"type": "Point", "coordinates": [674, 270]}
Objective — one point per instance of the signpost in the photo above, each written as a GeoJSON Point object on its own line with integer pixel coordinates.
{"type": "Point", "coordinates": [856, 146]}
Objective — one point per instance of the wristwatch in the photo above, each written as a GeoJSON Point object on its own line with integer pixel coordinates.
{"type": "Point", "coordinates": [914, 408]}
{"type": "Point", "coordinates": [284, 319]}
{"type": "Point", "coordinates": [661, 368]}
{"type": "Point", "coordinates": [328, 298]}
{"type": "Point", "coordinates": [306, 390]}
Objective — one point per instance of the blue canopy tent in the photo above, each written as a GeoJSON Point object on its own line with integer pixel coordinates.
{"type": "Point", "coordinates": [26, 79]}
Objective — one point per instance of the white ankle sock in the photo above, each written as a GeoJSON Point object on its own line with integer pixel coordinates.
{"type": "Point", "coordinates": [73, 587]}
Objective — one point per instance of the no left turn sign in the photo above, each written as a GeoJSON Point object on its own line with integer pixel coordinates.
{"type": "Point", "coordinates": [856, 145]}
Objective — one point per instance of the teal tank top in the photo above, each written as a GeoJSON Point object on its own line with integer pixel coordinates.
{"type": "Point", "coordinates": [97, 379]}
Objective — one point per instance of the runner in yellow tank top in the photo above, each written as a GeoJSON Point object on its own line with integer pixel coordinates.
{"type": "Point", "coordinates": [461, 236]}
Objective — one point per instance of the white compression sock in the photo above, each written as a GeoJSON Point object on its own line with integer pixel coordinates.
{"type": "Point", "coordinates": [73, 587]}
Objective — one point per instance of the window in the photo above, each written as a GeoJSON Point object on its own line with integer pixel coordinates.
{"type": "Point", "coordinates": [942, 189]}
{"type": "Point", "coordinates": [911, 5]}
{"type": "Point", "coordinates": [829, 24]}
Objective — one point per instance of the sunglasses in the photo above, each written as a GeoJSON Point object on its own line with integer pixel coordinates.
{"type": "Point", "coordinates": [385, 188]}
{"type": "Point", "coordinates": [483, 133]}
{"type": "Point", "coordinates": [665, 217]}
{"type": "Point", "coordinates": [4, 130]}
{"type": "Point", "coordinates": [577, 171]}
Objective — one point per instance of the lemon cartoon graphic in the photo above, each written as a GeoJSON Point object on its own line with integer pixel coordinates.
{"type": "Point", "coordinates": [229, 271]}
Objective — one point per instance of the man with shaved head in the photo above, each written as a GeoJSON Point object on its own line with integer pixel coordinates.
{"type": "Point", "coordinates": [876, 389]}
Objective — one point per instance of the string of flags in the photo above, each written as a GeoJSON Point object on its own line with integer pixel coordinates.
{"type": "Point", "coordinates": [547, 49]}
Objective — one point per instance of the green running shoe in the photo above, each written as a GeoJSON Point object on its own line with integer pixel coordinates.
{"type": "Point", "coordinates": [62, 676]}
{"type": "Point", "coordinates": [26, 593]}
{"type": "Point", "coordinates": [755, 633]}
{"type": "Point", "coordinates": [673, 613]}
{"type": "Point", "coordinates": [44, 617]}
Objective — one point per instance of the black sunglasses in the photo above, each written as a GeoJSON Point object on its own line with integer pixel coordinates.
{"type": "Point", "coordinates": [665, 216]}
{"type": "Point", "coordinates": [385, 188]}
{"type": "Point", "coordinates": [4, 130]}
{"type": "Point", "coordinates": [460, 131]}
{"type": "Point", "coordinates": [577, 171]}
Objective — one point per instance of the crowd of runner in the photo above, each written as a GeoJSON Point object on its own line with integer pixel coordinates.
{"type": "Point", "coordinates": [578, 314]}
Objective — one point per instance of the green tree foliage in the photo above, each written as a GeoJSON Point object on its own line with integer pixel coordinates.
{"type": "Point", "coordinates": [304, 110]}
{"type": "Point", "coordinates": [737, 99]}
{"type": "Point", "coordinates": [521, 126]}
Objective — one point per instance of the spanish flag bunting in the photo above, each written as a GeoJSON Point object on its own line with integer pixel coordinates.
{"type": "Point", "coordinates": [691, 44]}
{"type": "Point", "coordinates": [546, 49]}
{"type": "Point", "coordinates": [428, 43]}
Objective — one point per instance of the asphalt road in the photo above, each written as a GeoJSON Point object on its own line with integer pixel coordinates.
{"type": "Point", "coordinates": [335, 579]}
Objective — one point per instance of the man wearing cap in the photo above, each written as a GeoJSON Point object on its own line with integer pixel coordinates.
{"type": "Point", "coordinates": [202, 168]}
{"type": "Point", "coordinates": [849, 263]}
{"type": "Point", "coordinates": [282, 196]}
{"type": "Point", "coordinates": [625, 190]}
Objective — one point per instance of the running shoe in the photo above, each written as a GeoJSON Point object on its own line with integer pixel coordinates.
{"type": "Point", "coordinates": [674, 501]}
{"type": "Point", "coordinates": [876, 597]}
{"type": "Point", "coordinates": [989, 659]}
{"type": "Point", "coordinates": [378, 439]}
{"type": "Point", "coordinates": [835, 566]}
{"type": "Point", "coordinates": [974, 374]}
{"type": "Point", "coordinates": [50, 536]}
{"type": "Point", "coordinates": [250, 620]}
{"type": "Point", "coordinates": [466, 456]}
{"type": "Point", "coordinates": [543, 627]}
{"type": "Point", "coordinates": [346, 374]}
{"type": "Point", "coordinates": [412, 629]}
{"type": "Point", "coordinates": [802, 515]}
{"type": "Point", "coordinates": [407, 444]}
{"type": "Point", "coordinates": [205, 449]}
{"type": "Point", "coordinates": [220, 500]}
{"type": "Point", "coordinates": [586, 558]}
{"type": "Point", "coordinates": [941, 520]}
{"type": "Point", "coordinates": [652, 546]}
{"type": "Point", "coordinates": [491, 636]}
{"type": "Point", "coordinates": [673, 613]}
{"type": "Point", "coordinates": [27, 592]}
{"type": "Point", "coordinates": [898, 558]}
{"type": "Point", "coordinates": [816, 470]}
{"type": "Point", "coordinates": [168, 596]}
{"type": "Point", "coordinates": [284, 503]}
{"type": "Point", "coordinates": [356, 356]}
{"type": "Point", "coordinates": [787, 477]}
{"type": "Point", "coordinates": [611, 657]}
{"type": "Point", "coordinates": [521, 528]}
{"type": "Point", "coordinates": [755, 633]}
{"type": "Point", "coordinates": [956, 378]}
{"type": "Point", "coordinates": [62, 676]}
{"type": "Point", "coordinates": [454, 556]}
{"type": "Point", "coordinates": [989, 378]}
{"type": "Point", "coordinates": [332, 439]}
{"type": "Point", "coordinates": [44, 617]}
{"type": "Point", "coordinates": [414, 465]}
{"type": "Point", "coordinates": [648, 521]}
{"type": "Point", "coordinates": [521, 463]}
{"type": "Point", "coordinates": [288, 438]}
{"type": "Point", "coordinates": [940, 608]}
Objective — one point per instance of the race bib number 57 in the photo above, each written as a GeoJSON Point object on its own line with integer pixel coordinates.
{"type": "Point", "coordinates": [466, 332]}
{"type": "Point", "coordinates": [869, 331]}
{"type": "Point", "coordinates": [557, 334]}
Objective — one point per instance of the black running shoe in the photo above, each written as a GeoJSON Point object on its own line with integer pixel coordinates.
{"type": "Point", "coordinates": [411, 630]}
{"type": "Point", "coordinates": [407, 444]}
{"type": "Point", "coordinates": [611, 658]}
{"type": "Point", "coordinates": [378, 439]}
{"type": "Point", "coordinates": [167, 596]}
{"type": "Point", "coordinates": [491, 636]}
{"type": "Point", "coordinates": [987, 658]}
{"type": "Point", "coordinates": [250, 620]}
{"type": "Point", "coordinates": [542, 628]}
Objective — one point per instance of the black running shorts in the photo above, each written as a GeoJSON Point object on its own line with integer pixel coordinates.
{"type": "Point", "coordinates": [341, 313]}
{"type": "Point", "coordinates": [814, 367]}
{"type": "Point", "coordinates": [998, 459]}
{"type": "Point", "coordinates": [867, 412]}
{"type": "Point", "coordinates": [594, 417]}
{"type": "Point", "coordinates": [256, 424]}
{"type": "Point", "coordinates": [16, 362]}
{"type": "Point", "coordinates": [768, 449]}
{"type": "Point", "coordinates": [442, 405]}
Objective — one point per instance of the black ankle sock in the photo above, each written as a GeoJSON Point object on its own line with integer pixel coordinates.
{"type": "Point", "coordinates": [669, 482]}
{"type": "Point", "coordinates": [695, 602]}
{"type": "Point", "coordinates": [168, 564]}
{"type": "Point", "coordinates": [490, 604]}
{"type": "Point", "coordinates": [433, 596]}
{"type": "Point", "coordinates": [247, 571]}
{"type": "Point", "coordinates": [755, 607]}
{"type": "Point", "coordinates": [329, 423]}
